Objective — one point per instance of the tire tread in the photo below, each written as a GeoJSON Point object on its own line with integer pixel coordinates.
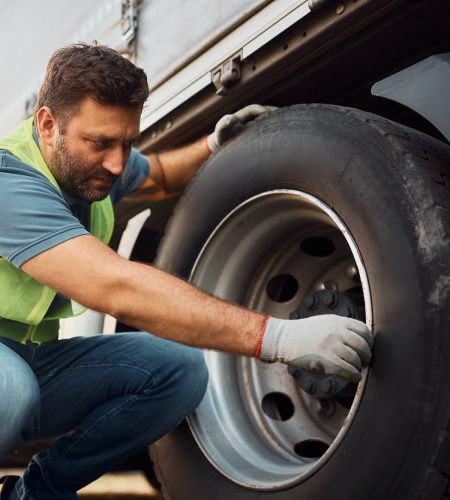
{"type": "Point", "coordinates": [433, 159]}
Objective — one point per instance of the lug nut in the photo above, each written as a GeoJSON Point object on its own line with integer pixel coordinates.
{"type": "Point", "coordinates": [329, 299]}
{"type": "Point", "coordinates": [308, 385]}
{"type": "Point", "coordinates": [323, 407]}
{"type": "Point", "coordinates": [330, 285]}
{"type": "Point", "coordinates": [350, 271]}
{"type": "Point", "coordinates": [326, 407]}
{"type": "Point", "coordinates": [310, 302]}
{"type": "Point", "coordinates": [327, 385]}
{"type": "Point", "coordinates": [295, 372]}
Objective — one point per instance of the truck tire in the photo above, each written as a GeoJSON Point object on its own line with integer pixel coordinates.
{"type": "Point", "coordinates": [320, 209]}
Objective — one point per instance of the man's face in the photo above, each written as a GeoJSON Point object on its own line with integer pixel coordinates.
{"type": "Point", "coordinates": [93, 149]}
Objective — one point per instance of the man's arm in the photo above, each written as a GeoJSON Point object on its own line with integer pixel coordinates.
{"type": "Point", "coordinates": [172, 170]}
{"type": "Point", "coordinates": [145, 297]}
{"type": "Point", "coordinates": [89, 272]}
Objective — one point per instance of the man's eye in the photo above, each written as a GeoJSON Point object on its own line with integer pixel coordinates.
{"type": "Point", "coordinates": [128, 144]}
{"type": "Point", "coordinates": [100, 144]}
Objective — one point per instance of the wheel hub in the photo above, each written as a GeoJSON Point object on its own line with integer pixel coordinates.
{"type": "Point", "coordinates": [327, 302]}
{"type": "Point", "coordinates": [325, 386]}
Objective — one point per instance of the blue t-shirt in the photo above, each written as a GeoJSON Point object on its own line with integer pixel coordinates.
{"type": "Point", "coordinates": [35, 216]}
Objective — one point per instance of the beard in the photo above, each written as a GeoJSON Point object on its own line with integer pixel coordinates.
{"type": "Point", "coordinates": [75, 176]}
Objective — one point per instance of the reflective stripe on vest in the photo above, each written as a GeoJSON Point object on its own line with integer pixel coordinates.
{"type": "Point", "coordinates": [24, 302]}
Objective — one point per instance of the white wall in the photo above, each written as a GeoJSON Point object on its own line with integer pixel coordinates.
{"type": "Point", "coordinates": [32, 30]}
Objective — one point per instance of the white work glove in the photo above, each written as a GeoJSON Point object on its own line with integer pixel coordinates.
{"type": "Point", "coordinates": [230, 125]}
{"type": "Point", "coordinates": [325, 344]}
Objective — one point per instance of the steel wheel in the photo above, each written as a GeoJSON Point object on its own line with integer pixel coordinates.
{"type": "Point", "coordinates": [282, 252]}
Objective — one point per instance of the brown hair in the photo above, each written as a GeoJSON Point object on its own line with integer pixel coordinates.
{"type": "Point", "coordinates": [89, 70]}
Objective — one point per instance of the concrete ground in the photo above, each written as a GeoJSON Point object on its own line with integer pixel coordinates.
{"type": "Point", "coordinates": [114, 486]}
{"type": "Point", "coordinates": [119, 486]}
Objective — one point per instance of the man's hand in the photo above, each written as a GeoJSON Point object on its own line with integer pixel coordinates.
{"type": "Point", "coordinates": [326, 344]}
{"type": "Point", "coordinates": [171, 171]}
{"type": "Point", "coordinates": [230, 125]}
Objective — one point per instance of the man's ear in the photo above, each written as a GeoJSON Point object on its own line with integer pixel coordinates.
{"type": "Point", "coordinates": [47, 126]}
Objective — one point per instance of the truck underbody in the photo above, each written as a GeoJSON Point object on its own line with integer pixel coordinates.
{"type": "Point", "coordinates": [334, 55]}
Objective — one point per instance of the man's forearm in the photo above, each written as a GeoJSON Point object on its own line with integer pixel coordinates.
{"type": "Point", "coordinates": [155, 301]}
{"type": "Point", "coordinates": [145, 297]}
{"type": "Point", "coordinates": [174, 169]}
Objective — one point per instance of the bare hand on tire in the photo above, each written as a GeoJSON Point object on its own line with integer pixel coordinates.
{"type": "Point", "coordinates": [326, 344]}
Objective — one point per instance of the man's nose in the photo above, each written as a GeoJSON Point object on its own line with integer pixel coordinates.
{"type": "Point", "coordinates": [114, 161]}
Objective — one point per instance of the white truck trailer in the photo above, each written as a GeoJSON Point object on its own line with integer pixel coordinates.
{"type": "Point", "coordinates": [339, 202]}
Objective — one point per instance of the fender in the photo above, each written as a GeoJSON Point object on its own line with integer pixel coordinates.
{"type": "Point", "coordinates": [424, 87]}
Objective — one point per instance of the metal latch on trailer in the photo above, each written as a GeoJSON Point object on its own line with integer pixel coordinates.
{"type": "Point", "coordinates": [129, 20]}
{"type": "Point", "coordinates": [227, 74]}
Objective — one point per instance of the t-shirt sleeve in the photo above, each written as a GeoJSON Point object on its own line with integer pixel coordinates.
{"type": "Point", "coordinates": [34, 215]}
{"type": "Point", "coordinates": [134, 174]}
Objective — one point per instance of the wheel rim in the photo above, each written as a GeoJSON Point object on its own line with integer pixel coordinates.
{"type": "Point", "coordinates": [255, 425]}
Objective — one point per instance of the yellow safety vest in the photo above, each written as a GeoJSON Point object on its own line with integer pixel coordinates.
{"type": "Point", "coordinates": [24, 302]}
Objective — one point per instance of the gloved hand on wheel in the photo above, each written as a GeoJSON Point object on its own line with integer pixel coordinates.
{"type": "Point", "coordinates": [230, 125]}
{"type": "Point", "coordinates": [326, 344]}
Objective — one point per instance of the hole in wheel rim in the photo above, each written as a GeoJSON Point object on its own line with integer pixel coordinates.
{"type": "Point", "coordinates": [282, 288]}
{"type": "Point", "coordinates": [278, 406]}
{"type": "Point", "coordinates": [311, 448]}
{"type": "Point", "coordinates": [317, 246]}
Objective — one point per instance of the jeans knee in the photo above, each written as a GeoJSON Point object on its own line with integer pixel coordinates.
{"type": "Point", "coordinates": [28, 403]}
{"type": "Point", "coordinates": [193, 377]}
{"type": "Point", "coordinates": [18, 411]}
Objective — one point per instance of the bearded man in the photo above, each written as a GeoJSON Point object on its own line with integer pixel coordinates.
{"type": "Point", "coordinates": [108, 397]}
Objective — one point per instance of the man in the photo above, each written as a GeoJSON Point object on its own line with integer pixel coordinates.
{"type": "Point", "coordinates": [110, 396]}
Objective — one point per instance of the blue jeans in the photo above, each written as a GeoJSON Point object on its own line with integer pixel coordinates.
{"type": "Point", "coordinates": [109, 396]}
